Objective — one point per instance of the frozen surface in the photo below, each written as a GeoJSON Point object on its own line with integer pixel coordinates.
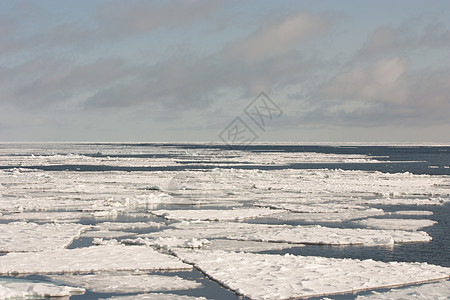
{"type": "Point", "coordinates": [23, 237]}
{"type": "Point", "coordinates": [333, 217]}
{"type": "Point", "coordinates": [92, 259]}
{"type": "Point", "coordinates": [413, 212]}
{"type": "Point", "coordinates": [264, 276]}
{"type": "Point", "coordinates": [107, 234]}
{"type": "Point", "coordinates": [124, 226]}
{"type": "Point", "coordinates": [436, 291]}
{"type": "Point", "coordinates": [22, 289]}
{"type": "Point", "coordinates": [396, 224]}
{"type": "Point", "coordinates": [126, 283]}
{"type": "Point", "coordinates": [214, 214]}
{"type": "Point", "coordinates": [313, 234]}
{"type": "Point", "coordinates": [156, 296]}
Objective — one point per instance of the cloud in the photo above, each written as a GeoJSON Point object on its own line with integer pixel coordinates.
{"type": "Point", "coordinates": [411, 36]}
{"type": "Point", "coordinates": [124, 17]}
{"type": "Point", "coordinates": [389, 90]}
{"type": "Point", "coordinates": [279, 38]}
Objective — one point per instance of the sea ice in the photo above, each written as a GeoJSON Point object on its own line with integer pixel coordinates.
{"type": "Point", "coordinates": [120, 282]}
{"type": "Point", "coordinates": [23, 289]}
{"type": "Point", "coordinates": [266, 276]}
{"type": "Point", "coordinates": [413, 212]}
{"type": "Point", "coordinates": [436, 291]}
{"type": "Point", "coordinates": [23, 237]}
{"type": "Point", "coordinates": [107, 234]}
{"type": "Point", "coordinates": [91, 259]}
{"type": "Point", "coordinates": [214, 214]}
{"type": "Point", "coordinates": [124, 226]}
{"type": "Point", "coordinates": [396, 224]}
{"type": "Point", "coordinates": [313, 234]}
{"type": "Point", "coordinates": [155, 296]}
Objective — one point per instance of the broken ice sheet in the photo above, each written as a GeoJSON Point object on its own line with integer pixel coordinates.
{"type": "Point", "coordinates": [155, 296]}
{"type": "Point", "coordinates": [124, 226]}
{"type": "Point", "coordinates": [291, 234]}
{"type": "Point", "coordinates": [17, 289]}
{"type": "Point", "coordinates": [333, 217]}
{"type": "Point", "coordinates": [214, 214]}
{"type": "Point", "coordinates": [23, 237]}
{"type": "Point", "coordinates": [107, 234]}
{"type": "Point", "coordinates": [436, 291]}
{"type": "Point", "coordinates": [268, 276]}
{"type": "Point", "coordinates": [90, 259]}
{"type": "Point", "coordinates": [396, 224]}
{"type": "Point", "coordinates": [120, 282]}
{"type": "Point", "coordinates": [413, 212]}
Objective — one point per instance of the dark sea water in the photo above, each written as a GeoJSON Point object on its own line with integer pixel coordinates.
{"type": "Point", "coordinates": [431, 160]}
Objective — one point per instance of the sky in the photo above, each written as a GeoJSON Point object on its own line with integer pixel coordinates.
{"type": "Point", "coordinates": [174, 71]}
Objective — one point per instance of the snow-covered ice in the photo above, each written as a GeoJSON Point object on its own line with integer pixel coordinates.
{"type": "Point", "coordinates": [396, 224]}
{"type": "Point", "coordinates": [107, 234]}
{"type": "Point", "coordinates": [265, 276]}
{"type": "Point", "coordinates": [435, 291]}
{"type": "Point", "coordinates": [23, 289]}
{"type": "Point", "coordinates": [121, 282]}
{"type": "Point", "coordinates": [91, 259]}
{"type": "Point", "coordinates": [124, 225]}
{"type": "Point", "coordinates": [213, 214]}
{"type": "Point", "coordinates": [23, 237]}
{"type": "Point", "coordinates": [155, 296]}
{"type": "Point", "coordinates": [313, 234]}
{"type": "Point", "coordinates": [413, 212]}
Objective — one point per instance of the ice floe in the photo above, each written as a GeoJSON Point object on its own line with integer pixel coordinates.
{"type": "Point", "coordinates": [265, 276]}
{"type": "Point", "coordinates": [413, 212]}
{"type": "Point", "coordinates": [313, 234]}
{"type": "Point", "coordinates": [126, 282]}
{"type": "Point", "coordinates": [91, 259]}
{"type": "Point", "coordinates": [23, 237]}
{"type": "Point", "coordinates": [436, 291]}
{"type": "Point", "coordinates": [107, 234]}
{"type": "Point", "coordinates": [396, 224]}
{"type": "Point", "coordinates": [23, 289]}
{"type": "Point", "coordinates": [155, 296]}
{"type": "Point", "coordinates": [213, 214]}
{"type": "Point", "coordinates": [124, 225]}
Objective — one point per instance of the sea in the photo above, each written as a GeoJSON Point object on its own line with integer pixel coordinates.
{"type": "Point", "coordinates": [430, 160]}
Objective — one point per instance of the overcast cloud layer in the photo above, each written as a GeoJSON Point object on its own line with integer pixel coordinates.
{"type": "Point", "coordinates": [182, 70]}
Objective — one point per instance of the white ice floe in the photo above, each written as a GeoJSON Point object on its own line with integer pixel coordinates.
{"type": "Point", "coordinates": [23, 289]}
{"type": "Point", "coordinates": [120, 282]}
{"type": "Point", "coordinates": [265, 276]}
{"type": "Point", "coordinates": [214, 214]}
{"type": "Point", "coordinates": [331, 217]}
{"type": "Point", "coordinates": [102, 242]}
{"type": "Point", "coordinates": [436, 291]}
{"type": "Point", "coordinates": [91, 259]}
{"type": "Point", "coordinates": [246, 246]}
{"type": "Point", "coordinates": [155, 296]}
{"type": "Point", "coordinates": [44, 216]}
{"type": "Point", "coordinates": [23, 237]}
{"type": "Point", "coordinates": [124, 226]}
{"type": "Point", "coordinates": [413, 212]}
{"type": "Point", "coordinates": [107, 234]}
{"type": "Point", "coordinates": [396, 224]}
{"type": "Point", "coordinates": [313, 234]}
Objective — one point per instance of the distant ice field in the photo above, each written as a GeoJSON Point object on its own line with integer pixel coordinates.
{"type": "Point", "coordinates": [82, 218]}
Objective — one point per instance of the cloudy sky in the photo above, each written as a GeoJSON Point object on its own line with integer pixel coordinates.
{"type": "Point", "coordinates": [183, 70]}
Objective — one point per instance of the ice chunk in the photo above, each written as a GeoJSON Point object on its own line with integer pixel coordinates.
{"type": "Point", "coordinates": [45, 216]}
{"type": "Point", "coordinates": [107, 234]}
{"type": "Point", "coordinates": [213, 214]}
{"type": "Point", "coordinates": [437, 291]}
{"type": "Point", "coordinates": [265, 276]}
{"type": "Point", "coordinates": [413, 212]}
{"type": "Point", "coordinates": [156, 296]}
{"type": "Point", "coordinates": [293, 234]}
{"type": "Point", "coordinates": [23, 237]}
{"type": "Point", "coordinates": [91, 259]}
{"type": "Point", "coordinates": [17, 289]}
{"type": "Point", "coordinates": [124, 226]}
{"type": "Point", "coordinates": [333, 217]}
{"type": "Point", "coordinates": [396, 224]}
{"type": "Point", "coordinates": [126, 282]}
